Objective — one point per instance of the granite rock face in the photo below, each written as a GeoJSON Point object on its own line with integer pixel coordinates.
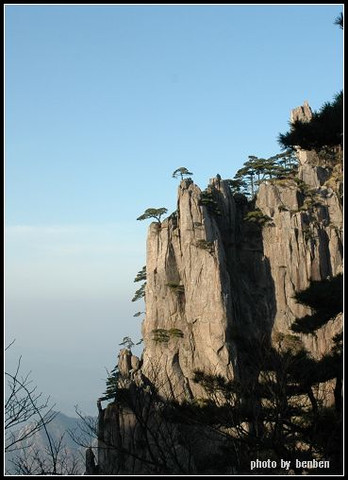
{"type": "Point", "coordinates": [215, 281]}
{"type": "Point", "coordinates": [212, 278]}
{"type": "Point", "coordinates": [208, 280]}
{"type": "Point", "coordinates": [301, 114]}
{"type": "Point", "coordinates": [303, 243]}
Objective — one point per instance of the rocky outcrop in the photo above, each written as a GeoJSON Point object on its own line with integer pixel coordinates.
{"type": "Point", "coordinates": [207, 282]}
{"type": "Point", "coordinates": [216, 281]}
{"type": "Point", "coordinates": [212, 278]}
{"type": "Point", "coordinates": [301, 114]}
{"type": "Point", "coordinates": [303, 243]}
{"type": "Point", "coordinates": [184, 330]}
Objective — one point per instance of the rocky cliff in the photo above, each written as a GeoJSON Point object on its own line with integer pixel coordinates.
{"type": "Point", "coordinates": [212, 276]}
{"type": "Point", "coordinates": [216, 280]}
{"type": "Point", "coordinates": [208, 281]}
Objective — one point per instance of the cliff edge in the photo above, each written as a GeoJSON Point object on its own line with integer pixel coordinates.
{"type": "Point", "coordinates": [217, 279]}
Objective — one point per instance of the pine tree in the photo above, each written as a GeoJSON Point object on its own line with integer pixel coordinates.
{"type": "Point", "coordinates": [324, 130]}
{"type": "Point", "coordinates": [155, 213]}
{"type": "Point", "coordinates": [181, 172]}
{"type": "Point", "coordinates": [111, 385]}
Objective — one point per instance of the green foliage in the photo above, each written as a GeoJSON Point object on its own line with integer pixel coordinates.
{"type": "Point", "coordinates": [208, 200]}
{"type": "Point", "coordinates": [111, 385]}
{"type": "Point", "coordinates": [256, 216]}
{"type": "Point", "coordinates": [325, 297]}
{"type": "Point", "coordinates": [127, 342]}
{"type": "Point", "coordinates": [141, 275]}
{"type": "Point", "coordinates": [301, 369]}
{"type": "Point", "coordinates": [205, 245]}
{"type": "Point", "coordinates": [308, 232]}
{"type": "Point", "coordinates": [181, 172]}
{"type": "Point", "coordinates": [140, 293]}
{"type": "Point", "coordinates": [246, 175]}
{"type": "Point", "coordinates": [301, 184]}
{"type": "Point", "coordinates": [214, 383]}
{"type": "Point", "coordinates": [175, 332]}
{"type": "Point", "coordinates": [280, 403]}
{"type": "Point", "coordinates": [155, 213]}
{"type": "Point", "coordinates": [162, 335]}
{"type": "Point", "coordinates": [176, 287]}
{"type": "Point", "coordinates": [290, 343]}
{"type": "Point", "coordinates": [325, 129]}
{"type": "Point", "coordinates": [327, 436]}
{"type": "Point", "coordinates": [256, 170]}
{"type": "Point", "coordinates": [237, 185]}
{"type": "Point", "coordinates": [323, 294]}
{"type": "Point", "coordinates": [339, 20]}
{"type": "Point", "coordinates": [285, 164]}
{"type": "Point", "coordinates": [174, 217]}
{"type": "Point", "coordinates": [337, 348]}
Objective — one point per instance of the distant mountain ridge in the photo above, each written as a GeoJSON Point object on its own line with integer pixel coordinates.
{"type": "Point", "coordinates": [71, 458]}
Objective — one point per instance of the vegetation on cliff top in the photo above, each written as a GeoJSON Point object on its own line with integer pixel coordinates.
{"type": "Point", "coordinates": [256, 170]}
{"type": "Point", "coordinates": [324, 130]}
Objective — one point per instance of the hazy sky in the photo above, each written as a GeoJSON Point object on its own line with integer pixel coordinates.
{"type": "Point", "coordinates": [103, 103]}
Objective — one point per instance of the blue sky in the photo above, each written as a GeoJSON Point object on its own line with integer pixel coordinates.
{"type": "Point", "coordinates": [103, 103]}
